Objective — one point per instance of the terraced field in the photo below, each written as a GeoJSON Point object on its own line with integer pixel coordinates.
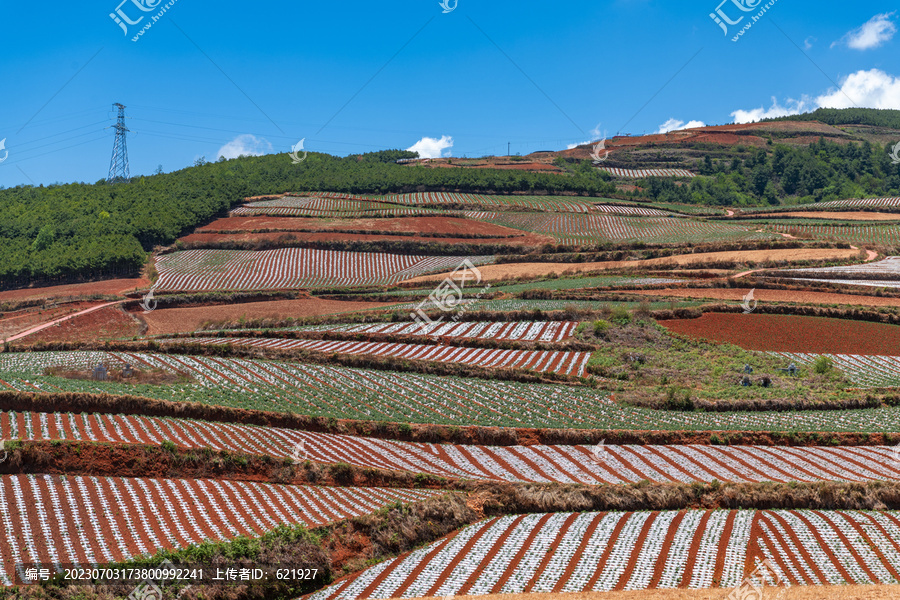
{"type": "Point", "coordinates": [854, 234]}
{"type": "Point", "coordinates": [544, 331]}
{"type": "Point", "coordinates": [53, 520]}
{"type": "Point", "coordinates": [598, 464]}
{"type": "Point", "coordinates": [579, 552]}
{"type": "Point", "coordinates": [339, 392]}
{"type": "Point", "coordinates": [218, 270]}
{"type": "Point", "coordinates": [571, 228]}
{"type": "Point", "coordinates": [641, 173]}
{"type": "Point", "coordinates": [564, 363]}
{"type": "Point", "coordinates": [866, 370]}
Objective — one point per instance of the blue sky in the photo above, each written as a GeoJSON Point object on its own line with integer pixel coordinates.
{"type": "Point", "coordinates": [356, 76]}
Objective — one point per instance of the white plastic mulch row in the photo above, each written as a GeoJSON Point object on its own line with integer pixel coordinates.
{"type": "Point", "coordinates": [60, 520]}
{"type": "Point", "coordinates": [864, 369]}
{"type": "Point", "coordinates": [565, 363]}
{"type": "Point", "coordinates": [565, 464]}
{"type": "Point", "coordinates": [581, 552]}
{"type": "Point", "coordinates": [889, 265]}
{"type": "Point", "coordinates": [205, 270]}
{"type": "Point", "coordinates": [638, 173]}
{"type": "Point", "coordinates": [631, 210]}
{"type": "Point", "coordinates": [544, 331]}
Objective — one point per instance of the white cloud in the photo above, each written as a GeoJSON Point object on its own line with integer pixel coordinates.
{"type": "Point", "coordinates": [794, 107]}
{"type": "Point", "coordinates": [597, 136]}
{"type": "Point", "coordinates": [675, 125]}
{"type": "Point", "coordinates": [245, 145]}
{"type": "Point", "coordinates": [878, 30]}
{"type": "Point", "coordinates": [431, 147]}
{"type": "Point", "coordinates": [866, 89]}
{"type": "Point", "coordinates": [808, 42]}
{"type": "Point", "coordinates": [869, 89]}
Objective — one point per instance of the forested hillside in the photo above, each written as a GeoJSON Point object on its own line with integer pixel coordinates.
{"type": "Point", "coordinates": [786, 175]}
{"type": "Point", "coordinates": [63, 232]}
{"type": "Point", "coordinates": [849, 116]}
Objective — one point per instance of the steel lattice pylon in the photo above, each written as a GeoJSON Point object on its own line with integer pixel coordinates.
{"type": "Point", "coordinates": [118, 164]}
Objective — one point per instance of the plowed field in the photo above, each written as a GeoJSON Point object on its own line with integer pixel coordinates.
{"type": "Point", "coordinates": [788, 333]}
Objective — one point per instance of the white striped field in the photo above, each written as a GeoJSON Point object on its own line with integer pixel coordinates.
{"type": "Point", "coordinates": [866, 370]}
{"type": "Point", "coordinates": [539, 463]}
{"type": "Point", "coordinates": [640, 173]}
{"type": "Point", "coordinates": [288, 268]}
{"type": "Point", "coordinates": [543, 331]}
{"type": "Point", "coordinates": [579, 552]}
{"type": "Point", "coordinates": [368, 394]}
{"type": "Point", "coordinates": [542, 361]}
{"type": "Point", "coordinates": [66, 520]}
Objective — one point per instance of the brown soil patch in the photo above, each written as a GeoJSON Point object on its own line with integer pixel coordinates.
{"type": "Point", "coordinates": [836, 592]}
{"type": "Point", "coordinates": [22, 320]}
{"type": "Point", "coordinates": [497, 272]}
{"type": "Point", "coordinates": [846, 216]}
{"type": "Point", "coordinates": [111, 287]}
{"type": "Point", "coordinates": [185, 320]}
{"type": "Point", "coordinates": [773, 296]}
{"type": "Point", "coordinates": [443, 225]}
{"type": "Point", "coordinates": [108, 323]}
{"type": "Point", "coordinates": [791, 333]}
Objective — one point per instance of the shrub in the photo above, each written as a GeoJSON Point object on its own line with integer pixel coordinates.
{"type": "Point", "coordinates": [601, 327]}
{"type": "Point", "coordinates": [677, 401]}
{"type": "Point", "coordinates": [822, 365]}
{"type": "Point", "coordinates": [620, 315]}
{"type": "Point", "coordinates": [169, 446]}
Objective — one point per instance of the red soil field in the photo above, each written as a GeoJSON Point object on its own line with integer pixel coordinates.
{"type": "Point", "coordinates": [110, 287]}
{"type": "Point", "coordinates": [185, 320]}
{"type": "Point", "coordinates": [788, 333]}
{"type": "Point", "coordinates": [23, 320]}
{"type": "Point", "coordinates": [442, 225]}
{"type": "Point", "coordinates": [105, 324]}
{"type": "Point", "coordinates": [533, 166]}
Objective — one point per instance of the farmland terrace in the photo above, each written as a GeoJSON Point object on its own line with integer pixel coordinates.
{"type": "Point", "coordinates": [471, 377]}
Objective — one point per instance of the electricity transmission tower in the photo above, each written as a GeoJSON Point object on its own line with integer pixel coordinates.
{"type": "Point", "coordinates": [118, 164]}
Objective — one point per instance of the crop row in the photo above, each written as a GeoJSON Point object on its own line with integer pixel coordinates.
{"type": "Point", "coordinates": [866, 370]}
{"type": "Point", "coordinates": [630, 210]}
{"type": "Point", "coordinates": [580, 552]}
{"type": "Point", "coordinates": [546, 361]}
{"type": "Point", "coordinates": [544, 331]}
{"type": "Point", "coordinates": [641, 173]}
{"type": "Point", "coordinates": [825, 206]}
{"type": "Point", "coordinates": [862, 234]}
{"type": "Point", "coordinates": [76, 520]}
{"type": "Point", "coordinates": [562, 464]}
{"type": "Point", "coordinates": [204, 270]}
{"type": "Point", "coordinates": [546, 203]}
{"type": "Point", "coordinates": [886, 266]}
{"type": "Point", "coordinates": [573, 227]}
{"type": "Point", "coordinates": [339, 392]}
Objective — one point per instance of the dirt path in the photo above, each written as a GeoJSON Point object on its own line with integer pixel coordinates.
{"type": "Point", "coordinates": [60, 320]}
{"type": "Point", "coordinates": [819, 592]}
{"type": "Point", "coordinates": [773, 296]}
{"type": "Point", "coordinates": [497, 272]}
